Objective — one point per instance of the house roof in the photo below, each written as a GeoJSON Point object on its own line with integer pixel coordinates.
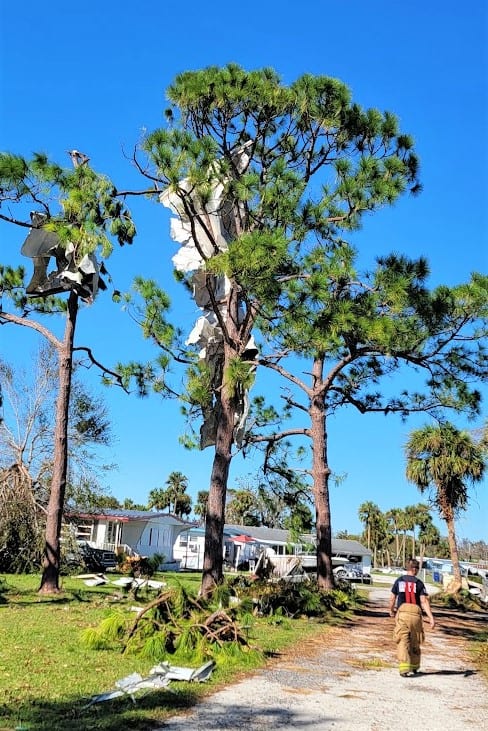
{"type": "Point", "coordinates": [340, 545]}
{"type": "Point", "coordinates": [279, 536]}
{"type": "Point", "coordinates": [260, 533]}
{"type": "Point", "coordinates": [124, 516]}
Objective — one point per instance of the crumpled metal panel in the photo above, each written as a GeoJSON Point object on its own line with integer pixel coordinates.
{"type": "Point", "coordinates": [41, 246]}
{"type": "Point", "coordinates": [159, 677]}
{"type": "Point", "coordinates": [205, 230]}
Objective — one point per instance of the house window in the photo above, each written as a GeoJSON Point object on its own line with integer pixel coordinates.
{"type": "Point", "coordinates": [84, 531]}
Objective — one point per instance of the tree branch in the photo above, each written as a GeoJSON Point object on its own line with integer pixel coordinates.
{"type": "Point", "coordinates": [9, 317]}
{"type": "Point", "coordinates": [105, 371]}
{"type": "Point", "coordinates": [10, 219]}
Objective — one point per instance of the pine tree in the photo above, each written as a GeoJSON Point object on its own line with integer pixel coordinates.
{"type": "Point", "coordinates": [353, 332]}
{"type": "Point", "coordinates": [77, 215]}
{"type": "Point", "coordinates": [255, 170]}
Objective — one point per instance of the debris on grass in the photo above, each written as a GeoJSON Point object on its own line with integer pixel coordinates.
{"type": "Point", "coordinates": [160, 676]}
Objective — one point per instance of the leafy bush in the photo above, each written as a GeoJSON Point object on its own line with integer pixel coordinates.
{"type": "Point", "coordinates": [140, 566]}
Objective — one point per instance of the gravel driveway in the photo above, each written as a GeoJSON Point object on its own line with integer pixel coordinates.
{"type": "Point", "coordinates": [347, 680]}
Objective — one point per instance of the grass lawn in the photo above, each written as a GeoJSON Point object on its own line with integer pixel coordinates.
{"type": "Point", "coordinates": [47, 676]}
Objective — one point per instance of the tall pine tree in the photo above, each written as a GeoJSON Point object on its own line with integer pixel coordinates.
{"type": "Point", "coordinates": [256, 170]}
{"type": "Point", "coordinates": [77, 214]}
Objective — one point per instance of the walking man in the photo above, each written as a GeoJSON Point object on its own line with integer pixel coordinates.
{"type": "Point", "coordinates": [408, 600]}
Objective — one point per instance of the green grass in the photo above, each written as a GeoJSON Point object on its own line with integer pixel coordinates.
{"type": "Point", "coordinates": [479, 651]}
{"type": "Point", "coordinates": [47, 676]}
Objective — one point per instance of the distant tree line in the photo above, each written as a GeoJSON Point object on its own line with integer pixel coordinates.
{"type": "Point", "coordinates": [397, 534]}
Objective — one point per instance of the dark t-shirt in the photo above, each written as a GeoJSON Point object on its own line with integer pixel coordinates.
{"type": "Point", "coordinates": [408, 589]}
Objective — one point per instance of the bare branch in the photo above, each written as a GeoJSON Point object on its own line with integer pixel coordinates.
{"type": "Point", "coordinates": [10, 219]}
{"type": "Point", "coordinates": [9, 317]}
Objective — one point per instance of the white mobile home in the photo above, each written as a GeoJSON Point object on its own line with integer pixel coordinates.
{"type": "Point", "coordinates": [140, 532]}
{"type": "Point", "coordinates": [244, 543]}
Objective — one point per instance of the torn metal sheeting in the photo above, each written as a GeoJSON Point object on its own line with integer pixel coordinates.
{"type": "Point", "coordinates": [130, 685]}
{"type": "Point", "coordinates": [98, 581]}
{"type": "Point", "coordinates": [149, 583]}
{"type": "Point", "coordinates": [182, 228]}
{"type": "Point", "coordinates": [123, 581]}
{"type": "Point", "coordinates": [156, 584]}
{"type": "Point", "coordinates": [175, 672]}
{"type": "Point", "coordinates": [41, 246]}
{"type": "Point", "coordinates": [204, 228]}
{"type": "Point", "coordinates": [159, 677]}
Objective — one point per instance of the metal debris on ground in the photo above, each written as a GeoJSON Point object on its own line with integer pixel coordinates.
{"type": "Point", "coordinates": [174, 672]}
{"type": "Point", "coordinates": [160, 676]}
{"type": "Point", "coordinates": [124, 581]}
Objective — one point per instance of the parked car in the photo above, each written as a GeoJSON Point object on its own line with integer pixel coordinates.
{"type": "Point", "coordinates": [348, 571]}
{"type": "Point", "coordinates": [92, 559]}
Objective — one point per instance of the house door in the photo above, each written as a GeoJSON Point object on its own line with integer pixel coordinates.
{"type": "Point", "coordinates": [113, 533]}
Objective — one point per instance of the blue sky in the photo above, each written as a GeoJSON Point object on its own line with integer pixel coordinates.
{"type": "Point", "coordinates": [92, 76]}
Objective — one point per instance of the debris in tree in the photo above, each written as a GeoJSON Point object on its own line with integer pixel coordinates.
{"type": "Point", "coordinates": [204, 228]}
{"type": "Point", "coordinates": [81, 276]}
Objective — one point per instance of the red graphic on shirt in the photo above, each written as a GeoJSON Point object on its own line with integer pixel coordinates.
{"type": "Point", "coordinates": [410, 588]}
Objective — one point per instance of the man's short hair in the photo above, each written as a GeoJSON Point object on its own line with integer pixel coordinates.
{"type": "Point", "coordinates": [412, 564]}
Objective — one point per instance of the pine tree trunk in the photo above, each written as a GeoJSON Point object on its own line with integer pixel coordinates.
{"type": "Point", "coordinates": [51, 556]}
{"type": "Point", "coordinates": [214, 520]}
{"type": "Point", "coordinates": [320, 475]}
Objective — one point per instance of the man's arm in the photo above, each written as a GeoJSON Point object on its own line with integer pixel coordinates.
{"type": "Point", "coordinates": [425, 604]}
{"type": "Point", "coordinates": [392, 604]}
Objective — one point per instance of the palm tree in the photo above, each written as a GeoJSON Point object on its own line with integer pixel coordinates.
{"type": "Point", "coordinates": [409, 525]}
{"type": "Point", "coordinates": [428, 536]}
{"type": "Point", "coordinates": [182, 505]}
{"type": "Point", "coordinates": [370, 514]}
{"type": "Point", "coordinates": [201, 505]}
{"type": "Point", "coordinates": [157, 499]}
{"type": "Point", "coordinates": [393, 517]}
{"type": "Point", "coordinates": [416, 515]}
{"type": "Point", "coordinates": [445, 459]}
{"type": "Point", "coordinates": [382, 538]}
{"type": "Point", "coordinates": [403, 523]}
{"type": "Point", "coordinates": [177, 484]}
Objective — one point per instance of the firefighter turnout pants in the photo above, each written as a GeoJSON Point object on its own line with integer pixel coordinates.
{"type": "Point", "coordinates": [408, 635]}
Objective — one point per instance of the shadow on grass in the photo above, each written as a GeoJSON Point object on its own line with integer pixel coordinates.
{"type": "Point", "coordinates": [466, 624]}
{"type": "Point", "coordinates": [28, 598]}
{"type": "Point", "coordinates": [367, 608]}
{"type": "Point", "coordinates": [72, 714]}
{"type": "Point", "coordinates": [150, 713]}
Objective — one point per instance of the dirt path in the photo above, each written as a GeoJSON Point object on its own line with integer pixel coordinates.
{"type": "Point", "coordinates": [348, 681]}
